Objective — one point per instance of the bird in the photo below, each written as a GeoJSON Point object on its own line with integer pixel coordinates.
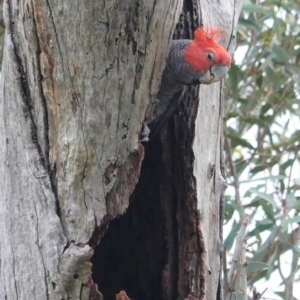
{"type": "Point", "coordinates": [189, 63]}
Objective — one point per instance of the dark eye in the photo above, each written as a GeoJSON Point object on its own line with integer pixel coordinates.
{"type": "Point", "coordinates": [209, 56]}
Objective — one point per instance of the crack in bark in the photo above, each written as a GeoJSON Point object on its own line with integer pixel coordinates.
{"type": "Point", "coordinates": [24, 87]}
{"type": "Point", "coordinates": [85, 163]}
{"type": "Point", "coordinates": [203, 256]}
{"type": "Point", "coordinates": [43, 99]}
{"type": "Point", "coordinates": [81, 109]}
{"type": "Point", "coordinates": [51, 171]}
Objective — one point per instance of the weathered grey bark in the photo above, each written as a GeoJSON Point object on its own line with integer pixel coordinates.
{"type": "Point", "coordinates": [77, 80]}
{"type": "Point", "coordinates": [208, 149]}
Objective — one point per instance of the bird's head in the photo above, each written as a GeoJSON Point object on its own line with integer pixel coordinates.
{"type": "Point", "coordinates": [207, 57]}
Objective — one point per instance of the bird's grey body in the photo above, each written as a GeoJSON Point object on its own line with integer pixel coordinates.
{"type": "Point", "coordinates": [177, 74]}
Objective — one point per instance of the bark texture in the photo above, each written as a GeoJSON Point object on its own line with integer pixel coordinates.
{"type": "Point", "coordinates": [77, 80]}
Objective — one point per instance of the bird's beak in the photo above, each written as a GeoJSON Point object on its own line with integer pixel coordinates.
{"type": "Point", "coordinates": [214, 74]}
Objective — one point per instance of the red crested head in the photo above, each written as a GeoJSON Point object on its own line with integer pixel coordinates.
{"type": "Point", "coordinates": [204, 52]}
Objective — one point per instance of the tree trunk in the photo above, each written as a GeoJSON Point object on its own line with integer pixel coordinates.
{"type": "Point", "coordinates": [86, 210]}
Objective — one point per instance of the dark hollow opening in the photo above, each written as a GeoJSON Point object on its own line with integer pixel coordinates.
{"type": "Point", "coordinates": [132, 254]}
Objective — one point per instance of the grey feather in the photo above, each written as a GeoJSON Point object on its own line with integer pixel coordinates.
{"type": "Point", "coordinates": [176, 75]}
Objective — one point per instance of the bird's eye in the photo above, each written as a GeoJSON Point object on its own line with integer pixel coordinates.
{"type": "Point", "coordinates": [210, 56]}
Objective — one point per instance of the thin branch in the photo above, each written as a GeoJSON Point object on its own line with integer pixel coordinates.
{"type": "Point", "coordinates": [233, 169]}
{"type": "Point", "coordinates": [225, 280]}
{"type": "Point", "coordinates": [236, 259]}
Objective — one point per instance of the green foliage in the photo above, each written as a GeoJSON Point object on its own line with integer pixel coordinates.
{"type": "Point", "coordinates": [262, 140]}
{"type": "Point", "coordinates": [254, 266]}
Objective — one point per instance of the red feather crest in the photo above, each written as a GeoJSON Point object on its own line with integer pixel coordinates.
{"type": "Point", "coordinates": [208, 35]}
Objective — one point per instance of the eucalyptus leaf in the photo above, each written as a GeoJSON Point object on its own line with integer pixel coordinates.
{"type": "Point", "coordinates": [255, 266]}
{"type": "Point", "coordinates": [264, 196]}
{"type": "Point", "coordinates": [281, 54]}
{"type": "Point", "coordinates": [232, 235]}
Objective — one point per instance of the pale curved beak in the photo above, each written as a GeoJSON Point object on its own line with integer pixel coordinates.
{"type": "Point", "coordinates": [214, 74]}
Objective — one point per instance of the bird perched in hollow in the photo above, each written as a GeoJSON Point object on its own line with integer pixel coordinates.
{"type": "Point", "coordinates": [190, 62]}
